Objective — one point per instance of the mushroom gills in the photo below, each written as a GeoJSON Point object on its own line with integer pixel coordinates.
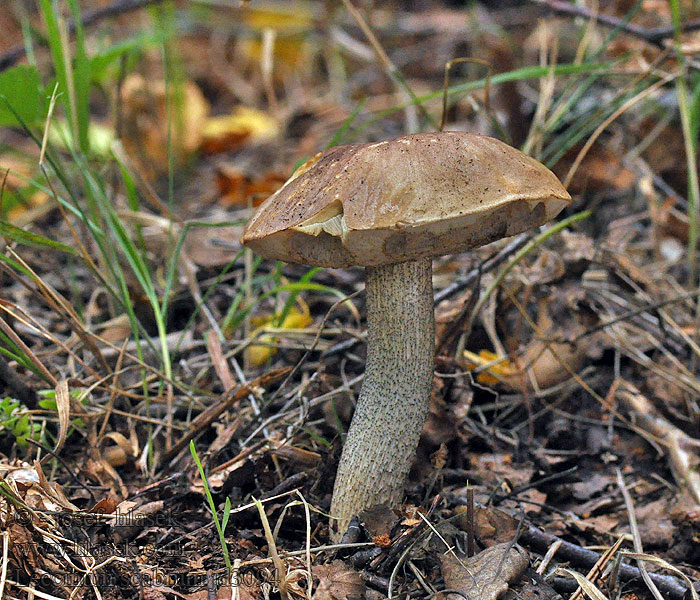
{"type": "Point", "coordinates": [330, 220]}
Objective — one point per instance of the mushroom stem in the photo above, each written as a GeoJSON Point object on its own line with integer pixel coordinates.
{"type": "Point", "coordinates": [395, 397]}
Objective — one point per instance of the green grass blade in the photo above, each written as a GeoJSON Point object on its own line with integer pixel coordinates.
{"type": "Point", "coordinates": [81, 80]}
{"type": "Point", "coordinates": [20, 90]}
{"type": "Point", "coordinates": [29, 238]}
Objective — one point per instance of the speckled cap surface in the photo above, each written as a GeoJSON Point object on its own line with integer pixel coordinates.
{"type": "Point", "coordinates": [415, 196]}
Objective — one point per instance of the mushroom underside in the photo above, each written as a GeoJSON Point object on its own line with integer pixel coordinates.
{"type": "Point", "coordinates": [332, 242]}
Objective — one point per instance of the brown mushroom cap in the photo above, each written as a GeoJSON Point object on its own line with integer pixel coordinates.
{"type": "Point", "coordinates": [415, 196]}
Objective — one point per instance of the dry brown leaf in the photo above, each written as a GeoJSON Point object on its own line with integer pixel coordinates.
{"type": "Point", "coordinates": [487, 575]}
{"type": "Point", "coordinates": [378, 520]}
{"type": "Point", "coordinates": [337, 581]}
{"type": "Point", "coordinates": [14, 173]}
{"type": "Point", "coordinates": [106, 506]}
{"type": "Point", "coordinates": [117, 455]}
{"type": "Point", "coordinates": [601, 169]}
{"type": "Point", "coordinates": [224, 435]}
{"type": "Point", "coordinates": [536, 498]}
{"type": "Point", "coordinates": [237, 188]}
{"type": "Point", "coordinates": [655, 525]}
{"type": "Point", "coordinates": [146, 108]}
{"type": "Point", "coordinates": [491, 525]}
{"type": "Point", "coordinates": [30, 485]}
{"type": "Point", "coordinates": [63, 408]}
{"type": "Point", "coordinates": [440, 426]}
{"type": "Point", "coordinates": [202, 247]}
{"type": "Point", "coordinates": [115, 330]}
{"type": "Point", "coordinates": [591, 486]}
{"type": "Point", "coordinates": [23, 549]}
{"type": "Point", "coordinates": [439, 457]}
{"type": "Point", "coordinates": [600, 525]}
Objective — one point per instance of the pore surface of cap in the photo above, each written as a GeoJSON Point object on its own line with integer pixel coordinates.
{"type": "Point", "coordinates": [411, 197]}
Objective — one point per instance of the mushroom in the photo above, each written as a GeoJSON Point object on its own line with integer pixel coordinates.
{"type": "Point", "coordinates": [391, 207]}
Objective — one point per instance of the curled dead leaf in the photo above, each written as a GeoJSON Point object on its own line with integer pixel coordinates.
{"type": "Point", "coordinates": [486, 575]}
{"type": "Point", "coordinates": [543, 364]}
{"type": "Point", "coordinates": [149, 132]}
{"type": "Point", "coordinates": [337, 581]}
{"type": "Point", "coordinates": [238, 188]}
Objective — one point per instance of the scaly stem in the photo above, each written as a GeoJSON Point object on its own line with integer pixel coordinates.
{"type": "Point", "coordinates": [395, 396]}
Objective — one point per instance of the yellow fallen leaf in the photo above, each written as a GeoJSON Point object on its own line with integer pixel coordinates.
{"type": "Point", "coordinates": [259, 354]}
{"type": "Point", "coordinates": [243, 125]}
{"type": "Point", "coordinates": [291, 19]}
{"type": "Point", "coordinates": [289, 52]}
{"type": "Point", "coordinates": [292, 23]}
{"type": "Point", "coordinates": [494, 374]}
{"type": "Point", "coordinates": [545, 363]}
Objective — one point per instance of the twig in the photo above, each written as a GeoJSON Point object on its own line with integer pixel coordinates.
{"type": "Point", "coordinates": [293, 482]}
{"type": "Point", "coordinates": [470, 521]}
{"type": "Point", "coordinates": [582, 557]}
{"type": "Point", "coordinates": [647, 308]}
{"type": "Point", "coordinates": [447, 292]}
{"type": "Point", "coordinates": [653, 35]}
{"type": "Point", "coordinates": [680, 448]}
{"type": "Point", "coordinates": [496, 498]}
{"type": "Point", "coordinates": [551, 551]}
{"type": "Point", "coordinates": [637, 540]}
{"type": "Point", "coordinates": [597, 569]}
{"type": "Point", "coordinates": [210, 415]}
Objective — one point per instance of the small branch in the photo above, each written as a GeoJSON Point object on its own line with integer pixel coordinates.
{"type": "Point", "coordinates": [681, 450]}
{"type": "Point", "coordinates": [487, 265]}
{"type": "Point", "coordinates": [206, 418]}
{"type": "Point", "coordinates": [539, 541]}
{"type": "Point", "coordinates": [637, 540]}
{"type": "Point", "coordinates": [653, 35]}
